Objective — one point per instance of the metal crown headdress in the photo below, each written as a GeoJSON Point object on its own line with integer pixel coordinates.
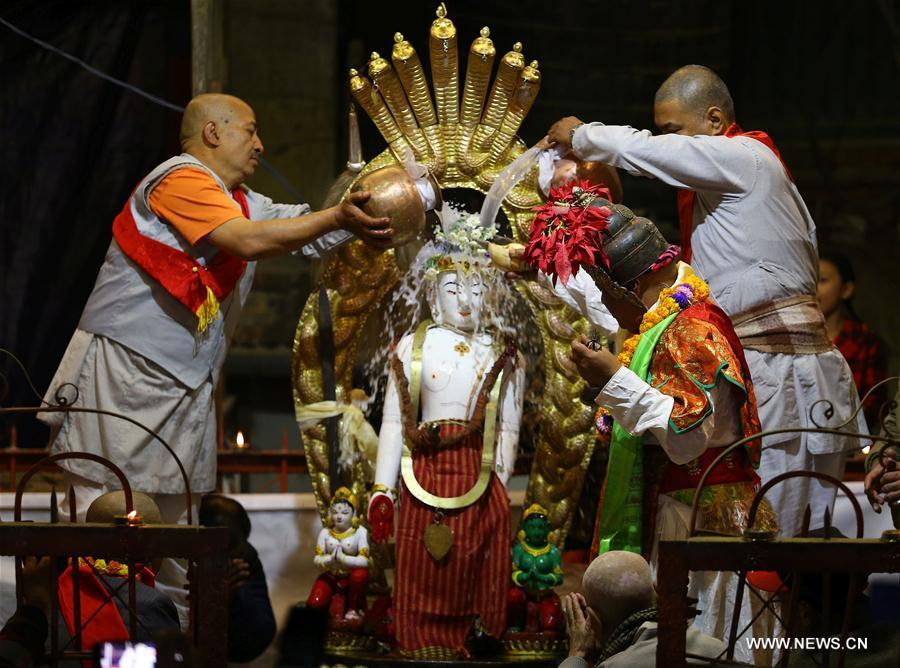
{"type": "Point", "coordinates": [344, 494]}
{"type": "Point", "coordinates": [534, 509]}
{"type": "Point", "coordinates": [452, 139]}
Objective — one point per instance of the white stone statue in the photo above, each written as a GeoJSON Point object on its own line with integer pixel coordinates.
{"type": "Point", "coordinates": [342, 551]}
{"type": "Point", "coordinates": [449, 432]}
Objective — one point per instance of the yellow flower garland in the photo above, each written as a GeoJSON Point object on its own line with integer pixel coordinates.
{"type": "Point", "coordinates": [667, 306]}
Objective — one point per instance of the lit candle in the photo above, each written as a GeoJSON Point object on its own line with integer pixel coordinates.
{"type": "Point", "coordinates": [132, 519]}
{"type": "Point", "coordinates": [240, 443]}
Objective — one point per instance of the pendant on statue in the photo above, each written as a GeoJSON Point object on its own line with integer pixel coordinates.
{"type": "Point", "coordinates": [462, 348]}
{"type": "Point", "coordinates": [438, 538]}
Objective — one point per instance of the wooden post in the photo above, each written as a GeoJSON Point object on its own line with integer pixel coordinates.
{"type": "Point", "coordinates": [207, 46]}
{"type": "Point", "coordinates": [672, 583]}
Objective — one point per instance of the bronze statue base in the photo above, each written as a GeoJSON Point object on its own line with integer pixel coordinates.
{"type": "Point", "coordinates": [531, 650]}
{"type": "Point", "coordinates": [341, 643]}
{"type": "Point", "coordinates": [373, 660]}
{"type": "Point", "coordinates": [525, 646]}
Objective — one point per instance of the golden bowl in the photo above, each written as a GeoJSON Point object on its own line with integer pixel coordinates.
{"type": "Point", "coordinates": [394, 195]}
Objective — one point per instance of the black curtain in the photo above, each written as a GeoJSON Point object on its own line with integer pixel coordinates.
{"type": "Point", "coordinates": [73, 147]}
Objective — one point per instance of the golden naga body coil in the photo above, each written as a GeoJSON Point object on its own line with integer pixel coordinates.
{"type": "Point", "coordinates": [478, 77]}
{"type": "Point", "coordinates": [385, 80]}
{"type": "Point", "coordinates": [511, 66]}
{"type": "Point", "coordinates": [370, 99]}
{"type": "Point", "coordinates": [442, 49]}
{"type": "Point", "coordinates": [412, 77]}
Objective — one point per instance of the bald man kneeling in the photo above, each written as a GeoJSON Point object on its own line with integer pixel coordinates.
{"type": "Point", "coordinates": [153, 336]}
{"type": "Point", "coordinates": [103, 591]}
{"type": "Point", "coordinates": [613, 623]}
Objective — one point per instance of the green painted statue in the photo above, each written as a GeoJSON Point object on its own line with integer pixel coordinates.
{"type": "Point", "coordinates": [537, 568]}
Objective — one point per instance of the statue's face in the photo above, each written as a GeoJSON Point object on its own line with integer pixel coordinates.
{"type": "Point", "coordinates": [536, 529]}
{"type": "Point", "coordinates": [341, 514]}
{"type": "Point", "coordinates": [458, 300]}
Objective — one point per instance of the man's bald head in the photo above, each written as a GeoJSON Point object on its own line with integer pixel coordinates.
{"type": "Point", "coordinates": [106, 507]}
{"type": "Point", "coordinates": [693, 101]}
{"type": "Point", "coordinates": [220, 131]}
{"type": "Point", "coordinates": [697, 88]}
{"type": "Point", "coordinates": [616, 585]}
{"type": "Point", "coordinates": [217, 108]}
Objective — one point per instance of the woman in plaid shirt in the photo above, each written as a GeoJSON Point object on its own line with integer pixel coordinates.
{"type": "Point", "coordinates": [864, 350]}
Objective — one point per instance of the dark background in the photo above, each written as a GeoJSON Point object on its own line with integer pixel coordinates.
{"type": "Point", "coordinates": [822, 78]}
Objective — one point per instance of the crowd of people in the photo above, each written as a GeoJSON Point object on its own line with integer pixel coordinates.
{"type": "Point", "coordinates": [758, 327]}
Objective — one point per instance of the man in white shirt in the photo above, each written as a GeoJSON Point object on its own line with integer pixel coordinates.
{"type": "Point", "coordinates": [747, 231]}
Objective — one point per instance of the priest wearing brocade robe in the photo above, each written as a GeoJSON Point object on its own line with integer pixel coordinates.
{"type": "Point", "coordinates": [678, 393]}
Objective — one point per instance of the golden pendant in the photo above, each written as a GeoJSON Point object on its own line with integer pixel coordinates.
{"type": "Point", "coordinates": [438, 538]}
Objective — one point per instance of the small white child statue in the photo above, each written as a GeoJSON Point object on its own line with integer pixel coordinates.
{"type": "Point", "coordinates": [342, 551]}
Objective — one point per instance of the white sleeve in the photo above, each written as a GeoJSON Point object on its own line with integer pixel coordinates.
{"type": "Point", "coordinates": [263, 208]}
{"type": "Point", "coordinates": [707, 163]}
{"type": "Point", "coordinates": [637, 407]}
{"type": "Point", "coordinates": [582, 295]}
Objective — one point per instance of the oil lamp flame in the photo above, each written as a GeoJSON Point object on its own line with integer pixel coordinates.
{"type": "Point", "coordinates": [240, 443]}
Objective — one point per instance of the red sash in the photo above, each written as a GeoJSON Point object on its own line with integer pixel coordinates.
{"type": "Point", "coordinates": [200, 288]}
{"type": "Point", "coordinates": [686, 197]}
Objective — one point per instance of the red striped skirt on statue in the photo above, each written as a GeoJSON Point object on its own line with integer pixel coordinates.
{"type": "Point", "coordinates": [435, 603]}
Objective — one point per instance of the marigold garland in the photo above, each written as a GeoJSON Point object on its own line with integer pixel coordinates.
{"type": "Point", "coordinates": [671, 300]}
{"type": "Point", "coordinates": [114, 568]}
{"type": "Point", "coordinates": [104, 567]}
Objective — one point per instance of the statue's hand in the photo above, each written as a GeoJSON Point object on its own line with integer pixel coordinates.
{"type": "Point", "coordinates": [339, 557]}
{"type": "Point", "coordinates": [547, 579]}
{"type": "Point", "coordinates": [518, 267]}
{"type": "Point", "coordinates": [381, 517]}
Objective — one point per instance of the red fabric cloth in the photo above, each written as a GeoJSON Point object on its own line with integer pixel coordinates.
{"type": "Point", "coordinates": [176, 271]}
{"type": "Point", "coordinates": [867, 355]}
{"type": "Point", "coordinates": [534, 614]}
{"type": "Point", "coordinates": [435, 603]}
{"type": "Point", "coordinates": [686, 197]}
{"type": "Point", "coordinates": [97, 605]}
{"type": "Point", "coordinates": [340, 594]}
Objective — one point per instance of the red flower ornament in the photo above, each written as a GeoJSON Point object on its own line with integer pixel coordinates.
{"type": "Point", "coordinates": [566, 232]}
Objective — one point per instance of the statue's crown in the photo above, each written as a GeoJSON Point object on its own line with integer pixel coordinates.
{"type": "Point", "coordinates": [344, 494]}
{"type": "Point", "coordinates": [461, 248]}
{"type": "Point", "coordinates": [534, 509]}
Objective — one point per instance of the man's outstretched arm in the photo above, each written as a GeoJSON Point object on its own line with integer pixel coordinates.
{"type": "Point", "coordinates": [252, 240]}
